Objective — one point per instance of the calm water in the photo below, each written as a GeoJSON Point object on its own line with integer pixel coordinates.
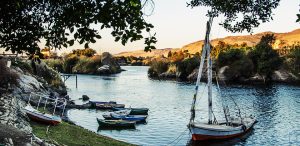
{"type": "Point", "coordinates": [276, 107]}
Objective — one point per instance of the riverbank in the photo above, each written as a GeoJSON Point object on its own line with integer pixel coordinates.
{"type": "Point", "coordinates": [72, 135]}
{"type": "Point", "coordinates": [22, 82]}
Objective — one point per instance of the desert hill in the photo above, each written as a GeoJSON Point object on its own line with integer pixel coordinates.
{"type": "Point", "coordinates": [282, 39]}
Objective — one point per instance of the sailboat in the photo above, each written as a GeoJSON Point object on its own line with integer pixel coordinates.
{"type": "Point", "coordinates": [214, 129]}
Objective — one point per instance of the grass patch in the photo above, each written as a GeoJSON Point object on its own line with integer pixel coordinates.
{"type": "Point", "coordinates": [66, 134]}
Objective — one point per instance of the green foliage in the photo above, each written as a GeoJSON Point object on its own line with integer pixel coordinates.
{"type": "Point", "coordinates": [295, 59]}
{"type": "Point", "coordinates": [229, 57]}
{"type": "Point", "coordinates": [69, 63]}
{"type": "Point", "coordinates": [187, 66]}
{"type": "Point", "coordinates": [265, 59]}
{"type": "Point", "coordinates": [7, 77]}
{"type": "Point", "coordinates": [88, 52]}
{"type": "Point", "coordinates": [25, 66]}
{"type": "Point", "coordinates": [87, 65]}
{"type": "Point", "coordinates": [239, 15]}
{"type": "Point", "coordinates": [66, 134]}
{"type": "Point", "coordinates": [56, 64]}
{"type": "Point", "coordinates": [239, 64]}
{"type": "Point", "coordinates": [157, 67]}
{"type": "Point", "coordinates": [24, 23]}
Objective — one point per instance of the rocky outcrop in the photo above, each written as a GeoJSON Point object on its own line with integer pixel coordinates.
{"type": "Point", "coordinates": [284, 76]}
{"type": "Point", "coordinates": [14, 124]}
{"type": "Point", "coordinates": [109, 65]}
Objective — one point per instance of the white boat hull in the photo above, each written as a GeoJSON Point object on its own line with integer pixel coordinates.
{"type": "Point", "coordinates": [204, 131]}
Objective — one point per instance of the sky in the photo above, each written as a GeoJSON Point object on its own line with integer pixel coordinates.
{"type": "Point", "coordinates": [177, 25]}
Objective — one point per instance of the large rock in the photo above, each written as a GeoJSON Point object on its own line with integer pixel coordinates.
{"type": "Point", "coordinates": [283, 75]}
{"type": "Point", "coordinates": [109, 65]}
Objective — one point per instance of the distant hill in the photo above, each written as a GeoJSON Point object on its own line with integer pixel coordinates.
{"type": "Point", "coordinates": [153, 53]}
{"type": "Point", "coordinates": [288, 38]}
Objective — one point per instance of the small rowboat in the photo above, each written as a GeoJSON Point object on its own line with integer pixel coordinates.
{"type": "Point", "coordinates": [101, 102]}
{"type": "Point", "coordinates": [134, 111]}
{"type": "Point", "coordinates": [116, 123]}
{"type": "Point", "coordinates": [41, 117]}
{"type": "Point", "coordinates": [108, 105]}
{"type": "Point", "coordinates": [137, 118]}
{"type": "Point", "coordinates": [121, 112]}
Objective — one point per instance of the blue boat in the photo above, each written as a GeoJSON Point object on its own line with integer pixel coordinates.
{"type": "Point", "coordinates": [137, 118]}
{"type": "Point", "coordinates": [134, 111]}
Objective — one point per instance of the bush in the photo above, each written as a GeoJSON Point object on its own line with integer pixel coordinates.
{"type": "Point", "coordinates": [157, 67]}
{"type": "Point", "coordinates": [69, 63]}
{"type": "Point", "coordinates": [7, 77]}
{"type": "Point", "coordinates": [187, 66]}
{"type": "Point", "coordinates": [295, 59]}
{"type": "Point", "coordinates": [265, 58]}
{"type": "Point", "coordinates": [23, 66]}
{"type": "Point", "coordinates": [56, 64]}
{"type": "Point", "coordinates": [239, 63]}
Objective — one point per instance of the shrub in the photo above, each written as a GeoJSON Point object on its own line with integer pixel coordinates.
{"type": "Point", "coordinates": [295, 59]}
{"type": "Point", "coordinates": [23, 66]}
{"type": "Point", "coordinates": [56, 64]}
{"type": "Point", "coordinates": [157, 67]}
{"type": "Point", "coordinates": [265, 58]}
{"type": "Point", "coordinates": [187, 66]}
{"type": "Point", "coordinates": [69, 63]}
{"type": "Point", "coordinates": [239, 63]}
{"type": "Point", "coordinates": [7, 77]}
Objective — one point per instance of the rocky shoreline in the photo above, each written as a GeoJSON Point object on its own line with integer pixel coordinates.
{"type": "Point", "coordinates": [279, 76]}
{"type": "Point", "coordinates": [15, 126]}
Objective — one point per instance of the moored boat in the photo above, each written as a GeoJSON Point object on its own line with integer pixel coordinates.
{"type": "Point", "coordinates": [116, 123]}
{"type": "Point", "coordinates": [108, 105]}
{"type": "Point", "coordinates": [137, 118]}
{"type": "Point", "coordinates": [134, 111]}
{"type": "Point", "coordinates": [121, 112]}
{"type": "Point", "coordinates": [214, 129]}
{"type": "Point", "coordinates": [44, 118]}
{"type": "Point", "coordinates": [93, 103]}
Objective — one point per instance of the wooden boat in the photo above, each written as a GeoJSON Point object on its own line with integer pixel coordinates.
{"type": "Point", "coordinates": [116, 123]}
{"type": "Point", "coordinates": [137, 118]}
{"type": "Point", "coordinates": [214, 129]}
{"type": "Point", "coordinates": [134, 111]}
{"type": "Point", "coordinates": [101, 102]}
{"type": "Point", "coordinates": [121, 112]}
{"type": "Point", "coordinates": [108, 105]}
{"type": "Point", "coordinates": [44, 118]}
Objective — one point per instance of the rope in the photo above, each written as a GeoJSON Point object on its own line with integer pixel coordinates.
{"type": "Point", "coordinates": [178, 138]}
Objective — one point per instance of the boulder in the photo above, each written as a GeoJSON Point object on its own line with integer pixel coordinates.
{"type": "Point", "coordinates": [109, 65]}
{"type": "Point", "coordinates": [85, 98]}
{"type": "Point", "coordinates": [283, 75]}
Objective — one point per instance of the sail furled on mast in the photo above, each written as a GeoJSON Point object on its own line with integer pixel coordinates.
{"type": "Point", "coordinates": [205, 51]}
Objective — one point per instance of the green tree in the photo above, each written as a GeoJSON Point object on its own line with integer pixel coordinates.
{"type": "Point", "coordinates": [265, 59]}
{"type": "Point", "coordinates": [24, 23]}
{"type": "Point", "coordinates": [239, 15]}
{"type": "Point", "coordinates": [295, 58]}
{"type": "Point", "coordinates": [239, 64]}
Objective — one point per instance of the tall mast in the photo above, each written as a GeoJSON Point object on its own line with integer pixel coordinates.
{"type": "Point", "coordinates": [205, 52]}
{"type": "Point", "coordinates": [209, 71]}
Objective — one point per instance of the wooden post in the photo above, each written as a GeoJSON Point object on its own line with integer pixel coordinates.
{"type": "Point", "coordinates": [76, 81]}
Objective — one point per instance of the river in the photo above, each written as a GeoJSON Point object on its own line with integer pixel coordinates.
{"type": "Point", "coordinates": [276, 107]}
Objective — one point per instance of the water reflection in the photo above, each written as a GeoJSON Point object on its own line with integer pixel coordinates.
{"type": "Point", "coordinates": [276, 108]}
